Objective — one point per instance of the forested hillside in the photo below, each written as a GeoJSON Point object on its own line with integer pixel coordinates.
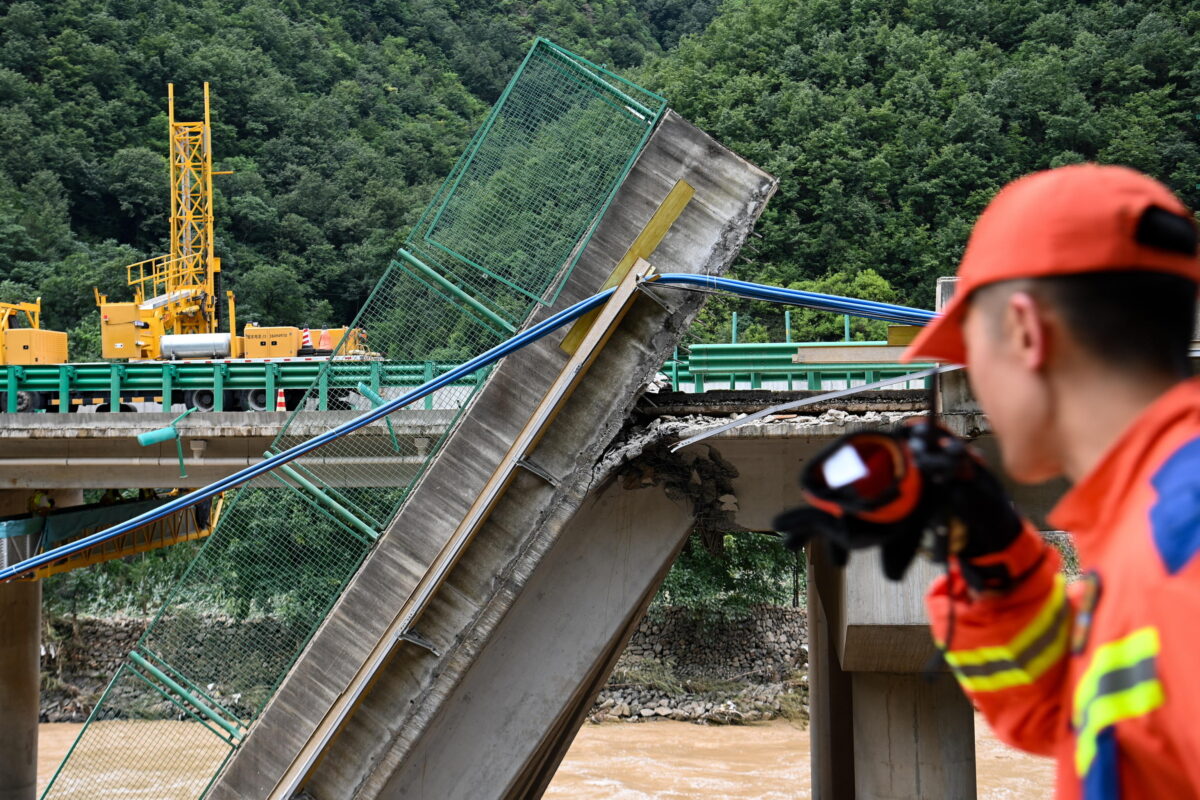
{"type": "Point", "coordinates": [338, 118]}
{"type": "Point", "coordinates": [889, 124]}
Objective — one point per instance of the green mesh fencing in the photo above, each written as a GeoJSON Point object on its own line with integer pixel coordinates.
{"type": "Point", "coordinates": [521, 202]}
{"type": "Point", "coordinates": [499, 237]}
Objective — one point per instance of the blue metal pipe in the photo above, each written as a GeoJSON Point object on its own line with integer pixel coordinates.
{"type": "Point", "coordinates": [870, 309]}
{"type": "Point", "coordinates": [865, 308]}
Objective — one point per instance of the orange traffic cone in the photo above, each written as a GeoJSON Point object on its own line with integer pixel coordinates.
{"type": "Point", "coordinates": [326, 340]}
{"type": "Point", "coordinates": [280, 402]}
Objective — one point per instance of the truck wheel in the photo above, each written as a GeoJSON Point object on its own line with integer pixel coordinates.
{"type": "Point", "coordinates": [201, 399]}
{"type": "Point", "coordinates": [26, 402]}
{"type": "Point", "coordinates": [254, 400]}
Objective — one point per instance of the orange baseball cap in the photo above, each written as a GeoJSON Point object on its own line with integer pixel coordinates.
{"type": "Point", "coordinates": [1080, 218]}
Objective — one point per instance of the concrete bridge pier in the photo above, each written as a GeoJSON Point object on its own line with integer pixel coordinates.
{"type": "Point", "coordinates": [20, 656]}
{"type": "Point", "coordinates": [20, 623]}
{"type": "Point", "coordinates": [884, 727]}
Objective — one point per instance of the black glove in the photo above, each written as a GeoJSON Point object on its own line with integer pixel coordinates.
{"type": "Point", "coordinates": [917, 486]}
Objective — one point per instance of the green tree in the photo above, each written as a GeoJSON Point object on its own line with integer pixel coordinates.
{"type": "Point", "coordinates": [273, 295]}
{"type": "Point", "coordinates": [750, 569]}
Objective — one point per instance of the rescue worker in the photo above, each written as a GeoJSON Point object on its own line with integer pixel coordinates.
{"type": "Point", "coordinates": [40, 503]}
{"type": "Point", "coordinates": [1074, 313]}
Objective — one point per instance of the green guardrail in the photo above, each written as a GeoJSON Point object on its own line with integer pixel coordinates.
{"type": "Point", "coordinates": [740, 366]}
{"type": "Point", "coordinates": [117, 382]}
{"type": "Point", "coordinates": [704, 367]}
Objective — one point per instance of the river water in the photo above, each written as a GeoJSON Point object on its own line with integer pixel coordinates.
{"type": "Point", "coordinates": [665, 760]}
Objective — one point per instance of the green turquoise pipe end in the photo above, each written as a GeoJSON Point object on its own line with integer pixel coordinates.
{"type": "Point", "coordinates": [156, 437]}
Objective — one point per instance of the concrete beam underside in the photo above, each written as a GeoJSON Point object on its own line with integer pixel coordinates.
{"type": "Point", "coordinates": [100, 451]}
{"type": "Point", "coordinates": [549, 654]}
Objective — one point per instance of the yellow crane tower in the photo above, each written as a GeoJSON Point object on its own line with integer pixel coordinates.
{"type": "Point", "coordinates": [175, 307]}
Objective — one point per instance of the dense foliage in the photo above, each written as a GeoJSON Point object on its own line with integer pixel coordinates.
{"type": "Point", "coordinates": [749, 569]}
{"type": "Point", "coordinates": [890, 123]}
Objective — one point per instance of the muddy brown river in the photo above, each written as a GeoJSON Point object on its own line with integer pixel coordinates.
{"type": "Point", "coordinates": [677, 760]}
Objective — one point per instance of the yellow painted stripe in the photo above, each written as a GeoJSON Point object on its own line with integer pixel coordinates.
{"type": "Point", "coordinates": [642, 248]}
{"type": "Point", "coordinates": [1127, 651]}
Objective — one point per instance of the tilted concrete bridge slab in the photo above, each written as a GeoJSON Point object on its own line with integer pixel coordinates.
{"type": "Point", "coordinates": [546, 549]}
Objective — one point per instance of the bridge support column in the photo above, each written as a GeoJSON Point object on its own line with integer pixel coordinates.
{"type": "Point", "coordinates": [914, 737]}
{"type": "Point", "coordinates": [20, 678]}
{"type": "Point", "coordinates": [830, 691]}
{"type": "Point", "coordinates": [20, 656]}
{"type": "Point", "coordinates": [20, 664]}
{"type": "Point", "coordinates": [881, 728]}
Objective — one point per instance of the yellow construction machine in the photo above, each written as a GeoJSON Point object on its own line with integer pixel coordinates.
{"type": "Point", "coordinates": [28, 343]}
{"type": "Point", "coordinates": [175, 295]}
{"type": "Point", "coordinates": [174, 313]}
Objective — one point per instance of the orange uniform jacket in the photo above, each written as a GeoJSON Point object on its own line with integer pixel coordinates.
{"type": "Point", "coordinates": [1103, 675]}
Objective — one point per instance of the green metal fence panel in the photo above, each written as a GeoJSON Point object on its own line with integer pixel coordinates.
{"type": "Point", "coordinates": [497, 239]}
{"type": "Point", "coordinates": [519, 205]}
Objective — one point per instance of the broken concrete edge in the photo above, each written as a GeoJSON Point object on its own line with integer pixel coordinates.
{"type": "Point", "coordinates": [638, 439]}
{"type": "Point", "coordinates": [713, 402]}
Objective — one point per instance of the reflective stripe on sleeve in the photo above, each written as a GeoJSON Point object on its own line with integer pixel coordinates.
{"type": "Point", "coordinates": [1121, 682]}
{"type": "Point", "coordinates": [1038, 646]}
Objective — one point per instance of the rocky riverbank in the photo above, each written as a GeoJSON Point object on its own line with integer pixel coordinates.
{"type": "Point", "coordinates": [79, 657]}
{"type": "Point", "coordinates": [679, 665]}
{"type": "Point", "coordinates": [686, 666]}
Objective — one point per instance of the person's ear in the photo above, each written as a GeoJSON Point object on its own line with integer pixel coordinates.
{"type": "Point", "coordinates": [1026, 330]}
